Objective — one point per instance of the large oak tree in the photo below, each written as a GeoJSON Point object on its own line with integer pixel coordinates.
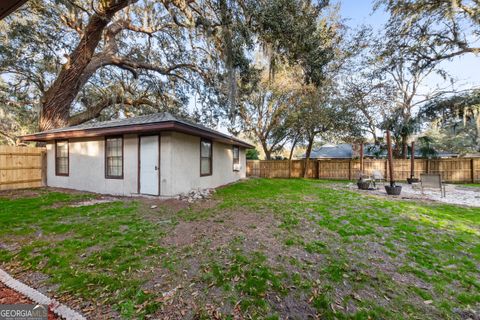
{"type": "Point", "coordinates": [71, 61]}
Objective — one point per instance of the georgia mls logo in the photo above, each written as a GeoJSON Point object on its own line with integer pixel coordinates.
{"type": "Point", "coordinates": [23, 312]}
{"type": "Point", "coordinates": [40, 311]}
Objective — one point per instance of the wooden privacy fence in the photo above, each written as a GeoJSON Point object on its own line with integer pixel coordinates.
{"type": "Point", "coordinates": [452, 170]}
{"type": "Point", "coordinates": [22, 167]}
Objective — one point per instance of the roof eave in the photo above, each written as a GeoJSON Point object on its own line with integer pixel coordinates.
{"type": "Point", "coordinates": [134, 129]}
{"type": "Point", "coordinates": [9, 6]}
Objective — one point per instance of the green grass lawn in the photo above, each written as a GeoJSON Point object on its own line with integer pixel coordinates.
{"type": "Point", "coordinates": [261, 249]}
{"type": "Point", "coordinates": [473, 185]}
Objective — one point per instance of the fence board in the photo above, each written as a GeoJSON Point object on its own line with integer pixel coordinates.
{"type": "Point", "coordinates": [452, 170]}
{"type": "Point", "coordinates": [476, 169]}
{"type": "Point", "coordinates": [335, 169]}
{"type": "Point", "coordinates": [21, 167]}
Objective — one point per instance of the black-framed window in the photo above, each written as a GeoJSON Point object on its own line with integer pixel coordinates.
{"type": "Point", "coordinates": [205, 157]}
{"type": "Point", "coordinates": [114, 157]}
{"type": "Point", "coordinates": [61, 158]}
{"type": "Point", "coordinates": [236, 157]}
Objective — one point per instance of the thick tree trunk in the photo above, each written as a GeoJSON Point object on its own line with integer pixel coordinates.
{"type": "Point", "coordinates": [390, 159]}
{"type": "Point", "coordinates": [268, 153]}
{"type": "Point", "coordinates": [361, 158]}
{"type": "Point", "coordinates": [412, 161]}
{"type": "Point", "coordinates": [404, 147]}
{"type": "Point", "coordinates": [307, 156]}
{"type": "Point", "coordinates": [294, 143]}
{"type": "Point", "coordinates": [396, 150]}
{"type": "Point", "coordinates": [59, 97]}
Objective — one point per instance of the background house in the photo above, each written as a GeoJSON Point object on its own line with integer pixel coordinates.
{"type": "Point", "coordinates": [157, 154]}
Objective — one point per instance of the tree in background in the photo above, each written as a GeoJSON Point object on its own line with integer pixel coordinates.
{"type": "Point", "coordinates": [324, 116]}
{"type": "Point", "coordinates": [426, 149]}
{"type": "Point", "coordinates": [372, 97]}
{"type": "Point", "coordinates": [252, 154]}
{"type": "Point", "coordinates": [440, 29]}
{"type": "Point", "coordinates": [400, 130]}
{"type": "Point", "coordinates": [408, 71]}
{"type": "Point", "coordinates": [264, 113]}
{"type": "Point", "coordinates": [14, 118]}
{"type": "Point", "coordinates": [270, 107]}
{"type": "Point", "coordinates": [454, 122]}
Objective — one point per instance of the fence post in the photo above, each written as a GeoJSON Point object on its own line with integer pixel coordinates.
{"type": "Point", "coordinates": [472, 170]}
{"type": "Point", "coordinates": [44, 168]}
{"type": "Point", "coordinates": [350, 169]}
{"type": "Point", "coordinates": [318, 169]}
{"type": "Point", "coordinates": [386, 169]}
{"type": "Point", "coordinates": [428, 165]}
{"type": "Point", "coordinates": [289, 168]}
{"type": "Point", "coordinates": [305, 168]}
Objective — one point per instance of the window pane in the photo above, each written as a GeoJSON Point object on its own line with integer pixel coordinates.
{"type": "Point", "coordinates": [114, 147]}
{"type": "Point", "coordinates": [114, 166]}
{"type": "Point", "coordinates": [62, 149]}
{"type": "Point", "coordinates": [205, 166]}
{"type": "Point", "coordinates": [62, 165]}
{"type": "Point", "coordinates": [236, 154]}
{"type": "Point", "coordinates": [205, 148]}
{"type": "Point", "coordinates": [61, 160]}
{"type": "Point", "coordinates": [114, 157]}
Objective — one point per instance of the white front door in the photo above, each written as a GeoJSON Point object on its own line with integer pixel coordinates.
{"type": "Point", "coordinates": [149, 166]}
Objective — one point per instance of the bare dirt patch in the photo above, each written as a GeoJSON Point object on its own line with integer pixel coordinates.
{"type": "Point", "coordinates": [172, 205]}
{"type": "Point", "coordinates": [68, 191]}
{"type": "Point", "coordinates": [293, 306]}
{"type": "Point", "coordinates": [21, 193]}
{"type": "Point", "coordinates": [92, 202]}
{"type": "Point", "coordinates": [162, 212]}
{"type": "Point", "coordinates": [310, 198]}
{"type": "Point", "coordinates": [221, 229]}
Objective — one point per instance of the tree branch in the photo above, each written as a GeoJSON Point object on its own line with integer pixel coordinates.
{"type": "Point", "coordinates": [8, 137]}
{"type": "Point", "coordinates": [94, 111]}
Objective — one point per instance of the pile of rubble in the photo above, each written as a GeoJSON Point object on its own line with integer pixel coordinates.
{"type": "Point", "coordinates": [196, 194]}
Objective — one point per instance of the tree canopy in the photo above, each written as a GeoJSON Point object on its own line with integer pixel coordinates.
{"type": "Point", "coordinates": [70, 61]}
{"type": "Point", "coordinates": [441, 29]}
{"type": "Point", "coordinates": [285, 73]}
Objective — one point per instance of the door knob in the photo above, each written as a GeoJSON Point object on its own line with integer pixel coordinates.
{"type": "Point", "coordinates": [156, 168]}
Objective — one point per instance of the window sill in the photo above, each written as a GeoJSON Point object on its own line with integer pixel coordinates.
{"type": "Point", "coordinates": [114, 178]}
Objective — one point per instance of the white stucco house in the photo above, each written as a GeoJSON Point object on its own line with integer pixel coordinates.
{"type": "Point", "coordinates": [156, 154]}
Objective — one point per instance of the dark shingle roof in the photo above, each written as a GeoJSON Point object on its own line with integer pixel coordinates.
{"type": "Point", "coordinates": [146, 119]}
{"type": "Point", "coordinates": [339, 151]}
{"type": "Point", "coordinates": [126, 125]}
